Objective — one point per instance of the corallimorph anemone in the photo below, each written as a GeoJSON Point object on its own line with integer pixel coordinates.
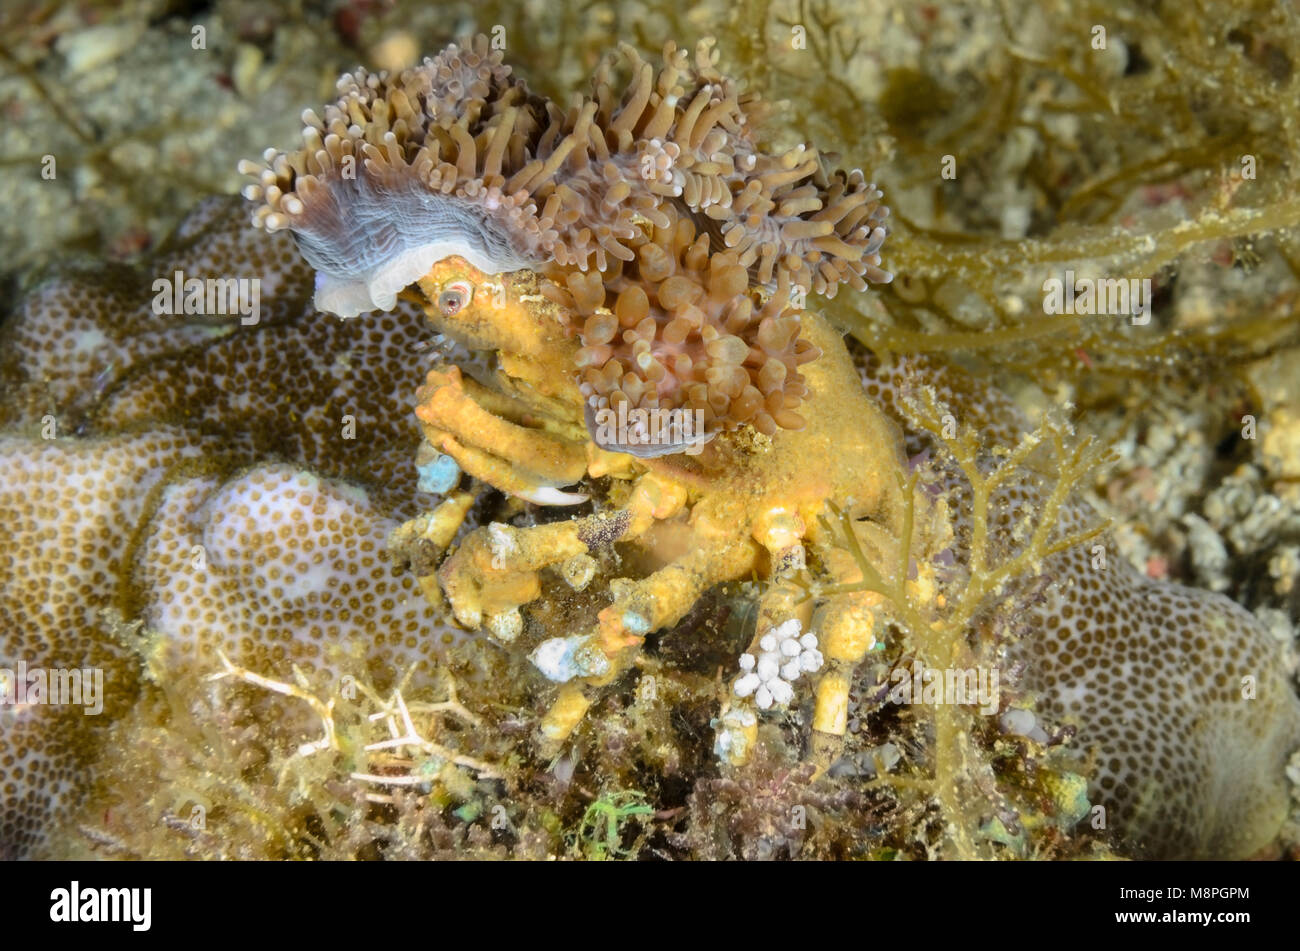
{"type": "Point", "coordinates": [677, 328]}
{"type": "Point", "coordinates": [651, 195]}
{"type": "Point", "coordinates": [402, 172]}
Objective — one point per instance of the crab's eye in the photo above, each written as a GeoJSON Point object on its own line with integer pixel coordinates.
{"type": "Point", "coordinates": [454, 298]}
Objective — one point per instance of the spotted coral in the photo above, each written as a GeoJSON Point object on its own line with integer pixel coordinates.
{"type": "Point", "coordinates": [90, 351]}
{"type": "Point", "coordinates": [196, 500]}
{"type": "Point", "coordinates": [278, 567]}
{"type": "Point", "coordinates": [1179, 696]}
{"type": "Point", "coordinates": [71, 508]}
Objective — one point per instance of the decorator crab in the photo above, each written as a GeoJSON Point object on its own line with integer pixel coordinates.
{"type": "Point", "coordinates": [747, 504]}
{"type": "Point", "coordinates": [639, 264]}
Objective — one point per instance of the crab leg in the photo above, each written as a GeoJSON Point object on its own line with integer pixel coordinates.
{"type": "Point", "coordinates": [501, 473]}
{"type": "Point", "coordinates": [423, 539]}
{"type": "Point", "coordinates": [846, 627]}
{"type": "Point", "coordinates": [446, 407]}
{"type": "Point", "coordinates": [665, 597]}
{"type": "Point", "coordinates": [780, 532]}
{"type": "Point", "coordinates": [495, 569]}
{"type": "Point", "coordinates": [586, 664]}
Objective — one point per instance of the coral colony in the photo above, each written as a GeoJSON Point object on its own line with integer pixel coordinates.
{"type": "Point", "coordinates": [634, 434]}
{"type": "Point", "coordinates": [211, 297]}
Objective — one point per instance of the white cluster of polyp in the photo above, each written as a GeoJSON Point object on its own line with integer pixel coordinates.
{"type": "Point", "coordinates": [783, 658]}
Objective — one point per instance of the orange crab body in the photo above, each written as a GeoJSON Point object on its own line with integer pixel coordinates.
{"type": "Point", "coordinates": [745, 505]}
{"type": "Point", "coordinates": [639, 264]}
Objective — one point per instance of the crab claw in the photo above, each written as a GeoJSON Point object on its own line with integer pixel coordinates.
{"type": "Point", "coordinates": [551, 495]}
{"type": "Point", "coordinates": [457, 425]}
